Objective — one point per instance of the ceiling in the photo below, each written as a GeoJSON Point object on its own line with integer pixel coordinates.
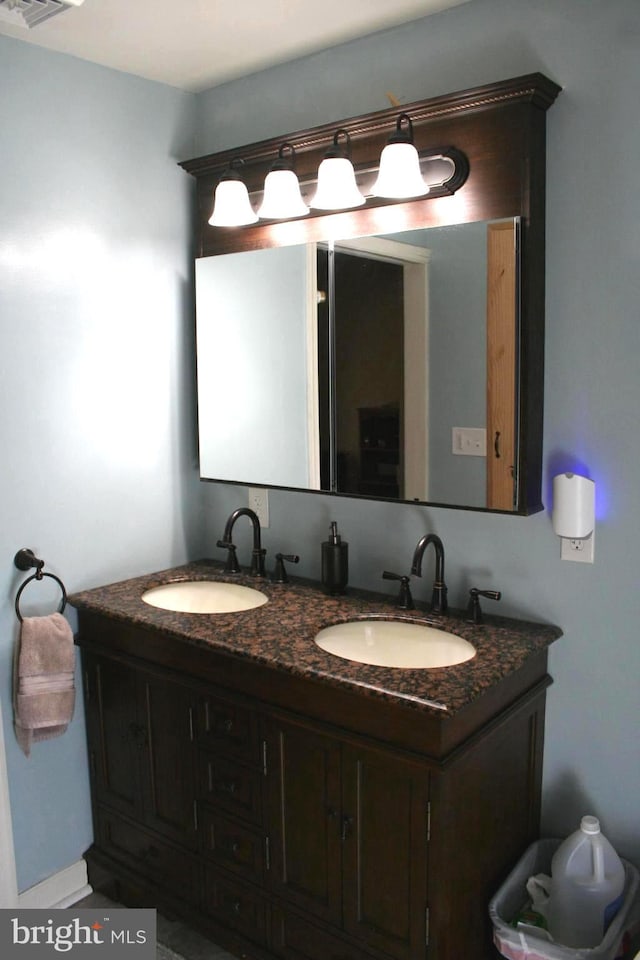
{"type": "Point", "coordinates": [197, 44]}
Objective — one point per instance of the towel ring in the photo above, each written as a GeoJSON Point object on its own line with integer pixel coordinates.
{"type": "Point", "coordinates": [25, 559]}
{"type": "Point", "coordinates": [39, 576]}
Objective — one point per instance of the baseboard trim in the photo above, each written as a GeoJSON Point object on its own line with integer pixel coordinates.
{"type": "Point", "coordinates": [63, 889]}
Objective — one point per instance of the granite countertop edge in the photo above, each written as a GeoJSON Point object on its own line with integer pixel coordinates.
{"type": "Point", "coordinates": [280, 635]}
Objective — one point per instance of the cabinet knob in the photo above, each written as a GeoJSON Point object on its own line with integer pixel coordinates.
{"type": "Point", "coordinates": [347, 826]}
{"type": "Point", "coordinates": [227, 786]}
{"type": "Point", "coordinates": [223, 725]}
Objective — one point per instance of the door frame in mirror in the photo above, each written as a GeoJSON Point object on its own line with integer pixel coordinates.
{"type": "Point", "coordinates": [501, 131]}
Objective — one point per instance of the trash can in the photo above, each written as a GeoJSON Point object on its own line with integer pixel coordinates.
{"type": "Point", "coordinates": [531, 944]}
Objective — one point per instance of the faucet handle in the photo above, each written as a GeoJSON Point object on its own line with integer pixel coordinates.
{"type": "Point", "coordinates": [405, 600]}
{"type": "Point", "coordinates": [474, 611]}
{"type": "Point", "coordinates": [232, 565]}
{"type": "Point", "coordinates": [280, 574]}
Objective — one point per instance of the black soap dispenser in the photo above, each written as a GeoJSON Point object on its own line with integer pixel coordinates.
{"type": "Point", "coordinates": [335, 562]}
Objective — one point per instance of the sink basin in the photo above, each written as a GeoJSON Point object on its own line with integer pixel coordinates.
{"type": "Point", "coordinates": [204, 596]}
{"type": "Point", "coordinates": [394, 643]}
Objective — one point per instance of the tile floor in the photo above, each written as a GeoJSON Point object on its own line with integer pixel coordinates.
{"type": "Point", "coordinates": [182, 942]}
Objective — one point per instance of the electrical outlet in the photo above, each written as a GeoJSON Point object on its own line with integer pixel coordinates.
{"type": "Point", "coordinates": [259, 503]}
{"type": "Point", "coordinates": [580, 551]}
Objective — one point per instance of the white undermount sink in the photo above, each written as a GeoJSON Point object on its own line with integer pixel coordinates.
{"type": "Point", "coordinates": [204, 596]}
{"type": "Point", "coordinates": [394, 643]}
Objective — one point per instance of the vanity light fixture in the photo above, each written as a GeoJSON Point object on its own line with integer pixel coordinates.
{"type": "Point", "coordinates": [399, 175]}
{"type": "Point", "coordinates": [231, 206]}
{"type": "Point", "coordinates": [337, 188]}
{"type": "Point", "coordinates": [574, 515]}
{"type": "Point", "coordinates": [282, 199]}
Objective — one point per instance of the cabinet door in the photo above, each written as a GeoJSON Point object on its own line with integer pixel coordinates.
{"type": "Point", "coordinates": [303, 777]}
{"type": "Point", "coordinates": [140, 744]}
{"type": "Point", "coordinates": [167, 717]}
{"type": "Point", "coordinates": [385, 811]}
{"type": "Point", "coordinates": [115, 734]}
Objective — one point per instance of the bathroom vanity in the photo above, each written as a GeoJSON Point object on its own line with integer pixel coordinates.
{"type": "Point", "coordinates": [293, 804]}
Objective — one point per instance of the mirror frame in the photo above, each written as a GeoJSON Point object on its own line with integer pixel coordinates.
{"type": "Point", "coordinates": [500, 129]}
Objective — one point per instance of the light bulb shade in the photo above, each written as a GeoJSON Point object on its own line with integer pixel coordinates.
{"type": "Point", "coordinates": [399, 175]}
{"type": "Point", "coordinates": [232, 207]}
{"type": "Point", "coordinates": [337, 188]}
{"type": "Point", "coordinates": [282, 199]}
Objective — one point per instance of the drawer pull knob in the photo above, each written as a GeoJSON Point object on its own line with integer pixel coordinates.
{"type": "Point", "coordinates": [224, 724]}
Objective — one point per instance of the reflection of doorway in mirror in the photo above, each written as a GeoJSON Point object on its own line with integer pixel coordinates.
{"type": "Point", "coordinates": [381, 319]}
{"type": "Point", "coordinates": [369, 323]}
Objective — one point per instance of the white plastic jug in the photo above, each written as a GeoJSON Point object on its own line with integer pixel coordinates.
{"type": "Point", "coordinates": [587, 887]}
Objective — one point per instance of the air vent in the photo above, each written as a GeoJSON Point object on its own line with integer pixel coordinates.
{"type": "Point", "coordinates": [29, 13]}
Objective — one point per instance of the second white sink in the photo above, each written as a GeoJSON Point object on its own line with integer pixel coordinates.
{"type": "Point", "coordinates": [395, 643]}
{"type": "Point", "coordinates": [204, 596]}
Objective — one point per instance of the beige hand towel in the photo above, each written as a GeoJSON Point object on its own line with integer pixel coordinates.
{"type": "Point", "coordinates": [43, 684]}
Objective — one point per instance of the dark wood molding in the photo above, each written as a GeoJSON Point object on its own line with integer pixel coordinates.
{"type": "Point", "coordinates": [487, 124]}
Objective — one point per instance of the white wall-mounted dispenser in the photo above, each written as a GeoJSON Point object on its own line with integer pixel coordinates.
{"type": "Point", "coordinates": [574, 515]}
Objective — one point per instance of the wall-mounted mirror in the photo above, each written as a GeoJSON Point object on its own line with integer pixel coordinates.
{"type": "Point", "coordinates": [395, 350]}
{"type": "Point", "coordinates": [360, 366]}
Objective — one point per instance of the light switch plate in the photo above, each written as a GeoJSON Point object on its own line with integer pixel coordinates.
{"type": "Point", "coordinates": [469, 441]}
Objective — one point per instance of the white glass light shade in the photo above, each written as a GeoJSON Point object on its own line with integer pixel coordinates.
{"type": "Point", "coordinates": [337, 188]}
{"type": "Point", "coordinates": [282, 198]}
{"type": "Point", "coordinates": [399, 175]}
{"type": "Point", "coordinates": [232, 207]}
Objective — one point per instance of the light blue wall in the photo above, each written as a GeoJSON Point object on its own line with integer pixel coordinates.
{"type": "Point", "coordinates": [591, 48]}
{"type": "Point", "coordinates": [96, 365]}
{"type": "Point", "coordinates": [96, 373]}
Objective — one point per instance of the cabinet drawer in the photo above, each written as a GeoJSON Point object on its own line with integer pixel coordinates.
{"type": "Point", "coordinates": [231, 786]}
{"type": "Point", "coordinates": [296, 939]}
{"type": "Point", "coordinates": [228, 728]}
{"type": "Point", "coordinates": [146, 854]}
{"type": "Point", "coordinates": [236, 905]}
{"type": "Point", "coordinates": [233, 845]}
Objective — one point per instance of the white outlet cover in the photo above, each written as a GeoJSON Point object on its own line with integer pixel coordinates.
{"type": "Point", "coordinates": [259, 502]}
{"type": "Point", "coordinates": [580, 551]}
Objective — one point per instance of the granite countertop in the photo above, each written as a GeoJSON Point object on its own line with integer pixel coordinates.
{"type": "Point", "coordinates": [280, 634]}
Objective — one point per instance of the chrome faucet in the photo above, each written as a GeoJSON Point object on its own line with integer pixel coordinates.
{"type": "Point", "coordinates": [257, 554]}
{"type": "Point", "coordinates": [439, 596]}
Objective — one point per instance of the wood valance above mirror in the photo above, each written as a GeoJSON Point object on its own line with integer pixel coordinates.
{"type": "Point", "coordinates": [497, 135]}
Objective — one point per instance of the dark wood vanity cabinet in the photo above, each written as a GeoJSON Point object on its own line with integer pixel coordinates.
{"type": "Point", "coordinates": [348, 838]}
{"type": "Point", "coordinates": [289, 819]}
